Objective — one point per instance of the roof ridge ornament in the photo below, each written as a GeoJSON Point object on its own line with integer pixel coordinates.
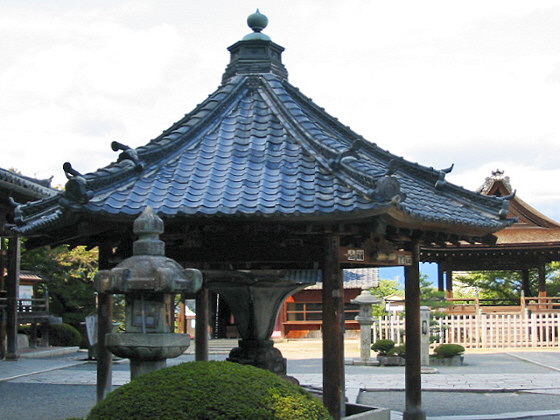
{"type": "Point", "coordinates": [441, 182]}
{"type": "Point", "coordinates": [257, 22]}
{"type": "Point", "coordinates": [128, 153]}
{"type": "Point", "coordinates": [255, 53]}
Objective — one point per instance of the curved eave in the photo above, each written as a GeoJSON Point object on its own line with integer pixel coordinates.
{"type": "Point", "coordinates": [445, 225]}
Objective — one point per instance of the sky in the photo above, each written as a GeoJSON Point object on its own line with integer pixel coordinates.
{"type": "Point", "coordinates": [474, 83]}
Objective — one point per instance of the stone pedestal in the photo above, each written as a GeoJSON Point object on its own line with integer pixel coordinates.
{"type": "Point", "coordinates": [259, 353]}
{"type": "Point", "coordinates": [255, 297]}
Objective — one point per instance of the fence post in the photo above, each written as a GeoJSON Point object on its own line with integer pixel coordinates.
{"type": "Point", "coordinates": [483, 330]}
{"type": "Point", "coordinates": [534, 331]}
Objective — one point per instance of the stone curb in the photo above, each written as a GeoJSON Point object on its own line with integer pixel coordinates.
{"type": "Point", "coordinates": [9, 378]}
{"type": "Point", "coordinates": [59, 351]}
{"type": "Point", "coordinates": [501, 416]}
{"type": "Point", "coordinates": [533, 362]}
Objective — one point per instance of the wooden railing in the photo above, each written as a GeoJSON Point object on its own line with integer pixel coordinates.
{"type": "Point", "coordinates": [543, 303]}
{"type": "Point", "coordinates": [28, 306]}
{"type": "Point", "coordinates": [526, 330]}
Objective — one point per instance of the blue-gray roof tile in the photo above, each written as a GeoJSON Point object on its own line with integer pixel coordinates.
{"type": "Point", "coordinates": [258, 148]}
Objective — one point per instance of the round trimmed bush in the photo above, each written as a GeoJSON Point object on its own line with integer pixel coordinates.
{"type": "Point", "coordinates": [398, 351]}
{"type": "Point", "coordinates": [382, 347]}
{"type": "Point", "coordinates": [209, 390]}
{"type": "Point", "coordinates": [448, 350]}
{"type": "Point", "coordinates": [64, 335]}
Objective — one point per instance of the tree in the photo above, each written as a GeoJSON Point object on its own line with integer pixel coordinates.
{"type": "Point", "coordinates": [70, 274]}
{"type": "Point", "coordinates": [385, 288]}
{"type": "Point", "coordinates": [507, 285]}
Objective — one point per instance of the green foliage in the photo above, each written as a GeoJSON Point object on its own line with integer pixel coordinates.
{"type": "Point", "coordinates": [430, 295]}
{"type": "Point", "coordinates": [398, 351]}
{"type": "Point", "coordinates": [507, 285]}
{"type": "Point", "coordinates": [64, 335]}
{"type": "Point", "coordinates": [382, 347]}
{"type": "Point", "coordinates": [448, 350]}
{"type": "Point", "coordinates": [385, 288]}
{"type": "Point", "coordinates": [209, 390]}
{"type": "Point", "coordinates": [70, 274]}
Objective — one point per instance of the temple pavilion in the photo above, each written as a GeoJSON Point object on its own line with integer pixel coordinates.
{"type": "Point", "coordinates": [267, 193]}
{"type": "Point", "coordinates": [528, 245]}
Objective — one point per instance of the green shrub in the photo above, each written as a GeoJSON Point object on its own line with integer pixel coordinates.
{"type": "Point", "coordinates": [209, 390]}
{"type": "Point", "coordinates": [398, 351]}
{"type": "Point", "coordinates": [382, 347]}
{"type": "Point", "coordinates": [64, 335]}
{"type": "Point", "coordinates": [448, 350]}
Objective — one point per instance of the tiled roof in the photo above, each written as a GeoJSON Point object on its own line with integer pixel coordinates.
{"type": "Point", "coordinates": [30, 188]}
{"type": "Point", "coordinates": [259, 148]}
{"type": "Point", "coordinates": [354, 278]}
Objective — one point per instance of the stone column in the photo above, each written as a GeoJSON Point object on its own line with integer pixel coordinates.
{"type": "Point", "coordinates": [365, 300]}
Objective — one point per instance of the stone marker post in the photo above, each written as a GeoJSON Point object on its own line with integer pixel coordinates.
{"type": "Point", "coordinates": [425, 336]}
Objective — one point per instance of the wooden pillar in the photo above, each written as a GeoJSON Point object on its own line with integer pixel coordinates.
{"type": "Point", "coordinates": [449, 283]}
{"type": "Point", "coordinates": [333, 332]}
{"type": "Point", "coordinates": [3, 262]}
{"type": "Point", "coordinates": [182, 322]}
{"type": "Point", "coordinates": [3, 255]}
{"type": "Point", "coordinates": [413, 380]}
{"type": "Point", "coordinates": [12, 287]}
{"type": "Point", "coordinates": [201, 326]}
{"type": "Point", "coordinates": [104, 326]}
{"type": "Point", "coordinates": [542, 280]}
{"type": "Point", "coordinates": [525, 282]}
{"type": "Point", "coordinates": [440, 278]}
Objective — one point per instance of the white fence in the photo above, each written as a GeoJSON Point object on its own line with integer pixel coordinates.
{"type": "Point", "coordinates": [536, 330]}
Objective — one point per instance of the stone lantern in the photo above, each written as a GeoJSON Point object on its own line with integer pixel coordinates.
{"type": "Point", "coordinates": [148, 280]}
{"type": "Point", "coordinates": [364, 300]}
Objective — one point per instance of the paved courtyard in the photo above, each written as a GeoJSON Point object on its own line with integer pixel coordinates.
{"type": "Point", "coordinates": [509, 384]}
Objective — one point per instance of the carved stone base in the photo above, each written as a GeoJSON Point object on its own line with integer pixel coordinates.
{"type": "Point", "coordinates": [259, 353]}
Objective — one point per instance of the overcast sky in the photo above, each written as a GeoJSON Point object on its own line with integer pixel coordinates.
{"type": "Point", "coordinates": [475, 83]}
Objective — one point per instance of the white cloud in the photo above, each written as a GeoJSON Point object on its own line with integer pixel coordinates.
{"type": "Point", "coordinates": [475, 83]}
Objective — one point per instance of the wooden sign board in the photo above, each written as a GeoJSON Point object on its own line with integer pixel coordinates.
{"type": "Point", "coordinates": [363, 256]}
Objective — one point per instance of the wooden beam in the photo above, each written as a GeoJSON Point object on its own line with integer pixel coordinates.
{"type": "Point", "coordinates": [542, 280]}
{"type": "Point", "coordinates": [201, 326]}
{"type": "Point", "coordinates": [104, 326]}
{"type": "Point", "coordinates": [440, 278]}
{"type": "Point", "coordinates": [525, 283]}
{"type": "Point", "coordinates": [449, 283]}
{"type": "Point", "coordinates": [333, 333]}
{"type": "Point", "coordinates": [413, 379]}
{"type": "Point", "coordinates": [14, 251]}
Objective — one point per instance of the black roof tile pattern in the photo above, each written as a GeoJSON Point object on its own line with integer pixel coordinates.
{"type": "Point", "coordinates": [30, 188]}
{"type": "Point", "coordinates": [258, 148]}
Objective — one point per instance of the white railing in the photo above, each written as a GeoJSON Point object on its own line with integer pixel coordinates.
{"type": "Point", "coordinates": [537, 330]}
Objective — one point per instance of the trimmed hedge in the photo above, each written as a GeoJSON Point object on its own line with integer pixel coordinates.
{"type": "Point", "coordinates": [209, 390]}
{"type": "Point", "coordinates": [64, 335]}
{"type": "Point", "coordinates": [382, 347]}
{"type": "Point", "coordinates": [448, 350]}
{"type": "Point", "coordinates": [398, 351]}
